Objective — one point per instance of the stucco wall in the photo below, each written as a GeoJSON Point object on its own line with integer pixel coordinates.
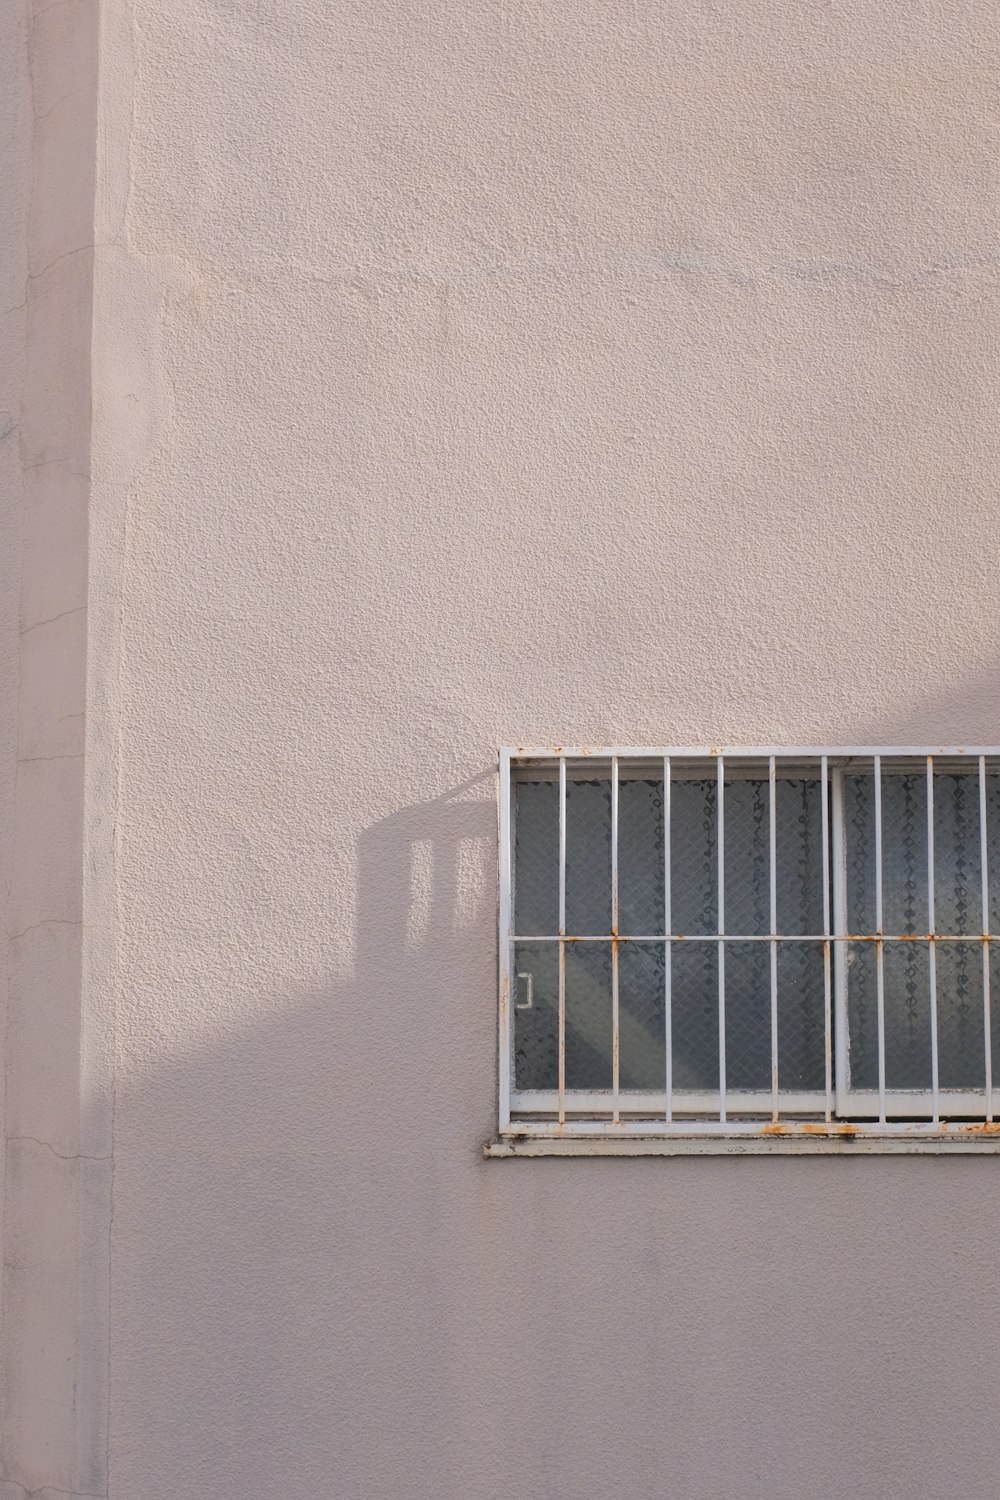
{"type": "Point", "coordinates": [53, 1317]}
{"type": "Point", "coordinates": [467, 374]}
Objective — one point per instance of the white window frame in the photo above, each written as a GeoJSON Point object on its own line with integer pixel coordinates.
{"type": "Point", "coordinates": [838, 1118]}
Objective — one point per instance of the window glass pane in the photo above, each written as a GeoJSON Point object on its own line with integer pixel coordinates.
{"type": "Point", "coordinates": [695, 1009]}
{"type": "Point", "coordinates": [862, 1015]}
{"type": "Point", "coordinates": [993, 848]}
{"type": "Point", "coordinates": [995, 1014]}
{"type": "Point", "coordinates": [748, 1016]}
{"type": "Point", "coordinates": [642, 1043]}
{"type": "Point", "coordinates": [748, 859]}
{"type": "Point", "coordinates": [904, 858]}
{"type": "Point", "coordinates": [693, 856]}
{"type": "Point", "coordinates": [906, 970]}
{"type": "Point", "coordinates": [588, 857]}
{"type": "Point", "coordinates": [904, 853]}
{"type": "Point", "coordinates": [536, 1028]}
{"type": "Point", "coordinates": [907, 1015]}
{"type": "Point", "coordinates": [799, 831]}
{"type": "Point", "coordinates": [588, 1015]}
{"type": "Point", "coordinates": [859, 842]}
{"type": "Point", "coordinates": [961, 1045]}
{"type": "Point", "coordinates": [799, 856]}
{"type": "Point", "coordinates": [801, 1011]}
{"type": "Point", "coordinates": [801, 1046]}
{"type": "Point", "coordinates": [640, 856]}
{"type": "Point", "coordinates": [958, 899]}
{"type": "Point", "coordinates": [536, 857]}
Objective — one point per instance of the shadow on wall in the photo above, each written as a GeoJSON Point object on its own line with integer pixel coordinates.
{"type": "Point", "coordinates": [967, 714]}
{"type": "Point", "coordinates": [321, 1290]}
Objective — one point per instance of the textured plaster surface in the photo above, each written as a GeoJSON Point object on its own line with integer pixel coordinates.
{"type": "Point", "coordinates": [468, 374]}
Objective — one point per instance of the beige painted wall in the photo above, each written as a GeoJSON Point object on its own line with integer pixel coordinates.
{"type": "Point", "coordinates": [465, 374]}
{"type": "Point", "coordinates": [53, 1318]}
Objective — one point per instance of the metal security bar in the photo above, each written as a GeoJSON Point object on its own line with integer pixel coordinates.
{"type": "Point", "coordinates": [749, 945]}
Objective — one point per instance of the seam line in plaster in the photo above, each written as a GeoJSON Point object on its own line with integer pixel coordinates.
{"type": "Point", "coordinates": [655, 267]}
{"type": "Point", "coordinates": [54, 5]}
{"type": "Point", "coordinates": [34, 275]}
{"type": "Point", "coordinates": [77, 250]}
{"type": "Point", "coordinates": [50, 1489]}
{"type": "Point", "coordinates": [48, 463]}
{"type": "Point", "coordinates": [62, 1155]}
{"type": "Point", "coordinates": [63, 614]}
{"type": "Point", "coordinates": [45, 922]}
{"type": "Point", "coordinates": [34, 760]}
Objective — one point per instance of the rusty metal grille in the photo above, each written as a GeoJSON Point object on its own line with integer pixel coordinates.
{"type": "Point", "coordinates": [749, 943]}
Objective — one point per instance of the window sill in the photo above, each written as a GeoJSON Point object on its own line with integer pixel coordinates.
{"type": "Point", "coordinates": [747, 1145]}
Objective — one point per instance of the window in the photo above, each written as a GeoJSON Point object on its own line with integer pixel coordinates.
{"type": "Point", "coordinates": [738, 950]}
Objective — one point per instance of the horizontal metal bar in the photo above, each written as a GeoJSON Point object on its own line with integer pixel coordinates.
{"type": "Point", "coordinates": [759, 937]}
{"type": "Point", "coordinates": [855, 1104]}
{"type": "Point", "coordinates": [764, 1129]}
{"type": "Point", "coordinates": [738, 752]}
{"type": "Point", "coordinates": [688, 1101]}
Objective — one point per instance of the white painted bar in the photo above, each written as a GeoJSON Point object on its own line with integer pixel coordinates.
{"type": "Point", "coordinates": [763, 1128]}
{"type": "Point", "coordinates": [880, 966]}
{"type": "Point", "coordinates": [748, 937]}
{"type": "Point", "coordinates": [985, 881]}
{"type": "Point", "coordinates": [562, 935]}
{"type": "Point", "coordinates": [615, 1017]}
{"type": "Point", "coordinates": [721, 851]}
{"type": "Point", "coordinates": [519, 753]}
{"type": "Point", "coordinates": [505, 1039]}
{"type": "Point", "coordinates": [773, 882]}
{"type": "Point", "coordinates": [824, 784]}
{"type": "Point", "coordinates": [668, 979]}
{"type": "Point", "coordinates": [862, 1104]}
{"type": "Point", "coordinates": [562, 846]}
{"type": "Point", "coordinates": [932, 949]}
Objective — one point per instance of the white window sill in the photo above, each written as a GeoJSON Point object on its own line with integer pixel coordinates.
{"type": "Point", "coordinates": [746, 1145]}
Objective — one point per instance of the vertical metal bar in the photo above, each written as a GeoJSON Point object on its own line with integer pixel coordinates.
{"type": "Point", "coordinates": [615, 1031]}
{"type": "Point", "coordinates": [932, 946]}
{"type": "Point", "coordinates": [562, 940]}
{"type": "Point", "coordinates": [827, 1005]}
{"type": "Point", "coordinates": [505, 1047]}
{"type": "Point", "coordinates": [838, 839]}
{"type": "Point", "coordinates": [668, 1021]}
{"type": "Point", "coordinates": [879, 956]}
{"type": "Point", "coordinates": [773, 871]}
{"type": "Point", "coordinates": [987, 1018]}
{"type": "Point", "coordinates": [721, 879]}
